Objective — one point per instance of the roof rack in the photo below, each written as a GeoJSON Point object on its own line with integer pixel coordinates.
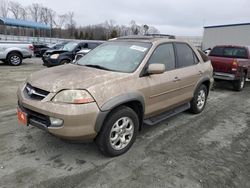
{"type": "Point", "coordinates": [145, 37]}
{"type": "Point", "coordinates": [160, 35]}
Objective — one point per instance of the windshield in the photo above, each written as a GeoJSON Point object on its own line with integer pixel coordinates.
{"type": "Point", "coordinates": [51, 45]}
{"type": "Point", "coordinates": [70, 46]}
{"type": "Point", "coordinates": [56, 45]}
{"type": "Point", "coordinates": [116, 56]}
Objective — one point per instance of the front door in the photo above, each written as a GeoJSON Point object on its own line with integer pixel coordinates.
{"type": "Point", "coordinates": [162, 89]}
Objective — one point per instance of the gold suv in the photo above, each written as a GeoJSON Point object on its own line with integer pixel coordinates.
{"type": "Point", "coordinates": [109, 94]}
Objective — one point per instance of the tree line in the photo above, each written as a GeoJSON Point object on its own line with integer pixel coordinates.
{"type": "Point", "coordinates": [65, 26]}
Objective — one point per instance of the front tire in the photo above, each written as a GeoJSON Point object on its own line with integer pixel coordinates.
{"type": "Point", "coordinates": [65, 61]}
{"type": "Point", "coordinates": [14, 59]}
{"type": "Point", "coordinates": [118, 132]}
{"type": "Point", "coordinates": [199, 101]}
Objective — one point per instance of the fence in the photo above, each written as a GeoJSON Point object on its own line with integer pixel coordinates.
{"type": "Point", "coordinates": [195, 40]}
{"type": "Point", "coordinates": [31, 39]}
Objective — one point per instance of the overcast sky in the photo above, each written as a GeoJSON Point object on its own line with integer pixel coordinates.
{"type": "Point", "coordinates": [176, 17]}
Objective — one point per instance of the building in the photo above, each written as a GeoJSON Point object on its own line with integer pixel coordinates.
{"type": "Point", "coordinates": [233, 34]}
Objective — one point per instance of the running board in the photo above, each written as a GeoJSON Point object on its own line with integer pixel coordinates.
{"type": "Point", "coordinates": [165, 115]}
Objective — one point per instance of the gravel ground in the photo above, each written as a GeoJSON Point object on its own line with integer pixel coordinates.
{"type": "Point", "coordinates": [206, 150]}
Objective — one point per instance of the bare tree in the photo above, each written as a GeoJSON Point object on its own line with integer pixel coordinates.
{"type": "Point", "coordinates": [23, 13]}
{"type": "Point", "coordinates": [71, 23]}
{"type": "Point", "coordinates": [4, 8]}
{"type": "Point", "coordinates": [153, 30]}
{"type": "Point", "coordinates": [44, 12]}
{"type": "Point", "coordinates": [34, 11]}
{"type": "Point", "coordinates": [52, 18]}
{"type": "Point", "coordinates": [15, 8]}
{"type": "Point", "coordinates": [61, 20]}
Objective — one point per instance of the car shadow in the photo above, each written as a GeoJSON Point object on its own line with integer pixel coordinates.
{"type": "Point", "coordinates": [226, 85]}
{"type": "Point", "coordinates": [223, 85]}
{"type": "Point", "coordinates": [2, 64]}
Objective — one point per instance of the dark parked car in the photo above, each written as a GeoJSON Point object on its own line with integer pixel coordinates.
{"type": "Point", "coordinates": [67, 53]}
{"type": "Point", "coordinates": [38, 47]}
{"type": "Point", "coordinates": [40, 51]}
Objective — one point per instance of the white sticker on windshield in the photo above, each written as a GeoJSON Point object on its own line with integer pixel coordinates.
{"type": "Point", "coordinates": [138, 48]}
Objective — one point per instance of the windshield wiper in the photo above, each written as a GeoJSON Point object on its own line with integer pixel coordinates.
{"type": "Point", "coordinates": [98, 67]}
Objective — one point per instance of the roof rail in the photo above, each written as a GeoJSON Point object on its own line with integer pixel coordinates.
{"type": "Point", "coordinates": [144, 37]}
{"type": "Point", "coordinates": [160, 35]}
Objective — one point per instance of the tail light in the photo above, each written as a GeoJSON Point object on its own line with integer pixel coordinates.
{"type": "Point", "coordinates": [234, 65]}
{"type": "Point", "coordinates": [31, 47]}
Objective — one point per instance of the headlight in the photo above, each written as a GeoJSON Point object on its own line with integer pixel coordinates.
{"type": "Point", "coordinates": [54, 56]}
{"type": "Point", "coordinates": [73, 97]}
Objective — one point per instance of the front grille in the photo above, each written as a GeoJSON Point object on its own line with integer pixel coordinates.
{"type": "Point", "coordinates": [35, 93]}
{"type": "Point", "coordinates": [39, 118]}
{"type": "Point", "coordinates": [35, 118]}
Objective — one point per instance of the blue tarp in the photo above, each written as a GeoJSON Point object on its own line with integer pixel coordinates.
{"type": "Point", "coordinates": [23, 23]}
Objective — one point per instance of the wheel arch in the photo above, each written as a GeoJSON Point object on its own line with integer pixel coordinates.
{"type": "Point", "coordinates": [65, 59]}
{"type": "Point", "coordinates": [206, 81]}
{"type": "Point", "coordinates": [132, 100]}
{"type": "Point", "coordinates": [14, 51]}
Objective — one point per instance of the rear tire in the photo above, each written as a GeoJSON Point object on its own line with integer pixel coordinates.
{"type": "Point", "coordinates": [199, 101]}
{"type": "Point", "coordinates": [239, 84]}
{"type": "Point", "coordinates": [14, 59]}
{"type": "Point", "coordinates": [119, 132]}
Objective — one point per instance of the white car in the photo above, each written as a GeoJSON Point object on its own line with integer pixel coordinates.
{"type": "Point", "coordinates": [81, 53]}
{"type": "Point", "coordinates": [13, 52]}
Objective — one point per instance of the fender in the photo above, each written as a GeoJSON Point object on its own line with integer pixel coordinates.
{"type": "Point", "coordinates": [204, 79]}
{"type": "Point", "coordinates": [115, 102]}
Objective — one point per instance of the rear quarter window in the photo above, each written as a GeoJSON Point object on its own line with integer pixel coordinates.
{"type": "Point", "coordinates": [185, 55]}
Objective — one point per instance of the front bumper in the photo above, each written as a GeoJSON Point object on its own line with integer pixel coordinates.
{"type": "Point", "coordinates": [78, 120]}
{"type": "Point", "coordinates": [50, 62]}
{"type": "Point", "coordinates": [224, 76]}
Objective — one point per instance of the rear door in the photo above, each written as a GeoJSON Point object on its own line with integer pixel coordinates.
{"type": "Point", "coordinates": [188, 70]}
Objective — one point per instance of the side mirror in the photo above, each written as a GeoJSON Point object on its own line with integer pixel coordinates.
{"type": "Point", "coordinates": [156, 69]}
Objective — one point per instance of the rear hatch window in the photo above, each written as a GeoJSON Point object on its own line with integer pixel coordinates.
{"type": "Point", "coordinates": [231, 52]}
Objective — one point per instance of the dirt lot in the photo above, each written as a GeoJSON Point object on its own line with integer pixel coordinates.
{"type": "Point", "coordinates": [207, 150]}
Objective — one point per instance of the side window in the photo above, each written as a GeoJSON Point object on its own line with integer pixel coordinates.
{"type": "Point", "coordinates": [203, 56]}
{"type": "Point", "coordinates": [196, 60]}
{"type": "Point", "coordinates": [185, 55]}
{"type": "Point", "coordinates": [164, 54]}
{"type": "Point", "coordinates": [92, 45]}
{"type": "Point", "coordinates": [84, 45]}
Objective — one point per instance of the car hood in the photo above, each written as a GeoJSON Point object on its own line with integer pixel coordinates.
{"type": "Point", "coordinates": [71, 77]}
{"type": "Point", "coordinates": [53, 51]}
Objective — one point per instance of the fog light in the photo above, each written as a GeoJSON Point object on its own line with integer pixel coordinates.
{"type": "Point", "coordinates": [56, 122]}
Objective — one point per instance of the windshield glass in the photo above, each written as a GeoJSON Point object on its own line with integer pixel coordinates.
{"type": "Point", "coordinates": [70, 46]}
{"type": "Point", "coordinates": [116, 56]}
{"type": "Point", "coordinates": [51, 45]}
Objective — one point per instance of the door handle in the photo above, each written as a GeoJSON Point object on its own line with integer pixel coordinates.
{"type": "Point", "coordinates": [176, 79]}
